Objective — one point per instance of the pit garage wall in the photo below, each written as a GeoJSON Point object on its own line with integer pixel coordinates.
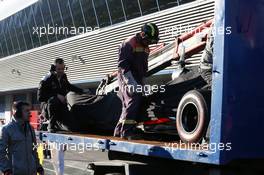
{"type": "Point", "coordinates": [238, 107]}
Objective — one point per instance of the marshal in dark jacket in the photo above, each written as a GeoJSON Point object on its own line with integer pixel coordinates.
{"type": "Point", "coordinates": [50, 86]}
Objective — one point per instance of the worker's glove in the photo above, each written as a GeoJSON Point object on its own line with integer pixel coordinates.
{"type": "Point", "coordinates": [7, 172]}
{"type": "Point", "coordinates": [40, 170]}
{"type": "Point", "coordinates": [130, 82]}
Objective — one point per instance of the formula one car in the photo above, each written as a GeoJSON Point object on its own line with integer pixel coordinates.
{"type": "Point", "coordinates": [182, 107]}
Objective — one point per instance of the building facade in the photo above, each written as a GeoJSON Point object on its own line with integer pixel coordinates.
{"type": "Point", "coordinates": [86, 34]}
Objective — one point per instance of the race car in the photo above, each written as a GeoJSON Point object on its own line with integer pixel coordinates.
{"type": "Point", "coordinates": [181, 107]}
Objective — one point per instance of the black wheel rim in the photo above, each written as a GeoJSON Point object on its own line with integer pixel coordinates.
{"type": "Point", "coordinates": [190, 118]}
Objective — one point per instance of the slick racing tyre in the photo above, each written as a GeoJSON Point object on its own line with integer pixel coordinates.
{"type": "Point", "coordinates": [193, 115]}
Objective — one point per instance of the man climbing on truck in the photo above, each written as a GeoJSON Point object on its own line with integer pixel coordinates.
{"type": "Point", "coordinates": [51, 93]}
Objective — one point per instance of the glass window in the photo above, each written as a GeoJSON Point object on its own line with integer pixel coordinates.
{"type": "Point", "coordinates": [102, 13]}
{"type": "Point", "coordinates": [66, 15]}
{"type": "Point", "coordinates": [1, 50]}
{"type": "Point", "coordinates": [7, 37]}
{"type": "Point", "coordinates": [116, 10]}
{"type": "Point", "coordinates": [49, 23]}
{"type": "Point", "coordinates": [19, 97]}
{"type": "Point", "coordinates": [12, 28]}
{"type": "Point", "coordinates": [89, 14]}
{"type": "Point", "coordinates": [164, 4]}
{"type": "Point", "coordinates": [31, 24]}
{"type": "Point", "coordinates": [77, 13]}
{"type": "Point", "coordinates": [40, 22]}
{"type": "Point", "coordinates": [20, 34]}
{"type": "Point", "coordinates": [57, 18]}
{"type": "Point", "coordinates": [27, 30]}
{"type": "Point", "coordinates": [3, 41]}
{"type": "Point", "coordinates": [148, 6]}
{"type": "Point", "coordinates": [131, 8]}
{"type": "Point", "coordinates": [185, 1]}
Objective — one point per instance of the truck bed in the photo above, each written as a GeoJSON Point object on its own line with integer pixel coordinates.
{"type": "Point", "coordinates": [166, 147]}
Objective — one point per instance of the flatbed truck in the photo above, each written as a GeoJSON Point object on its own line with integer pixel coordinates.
{"type": "Point", "coordinates": [237, 107]}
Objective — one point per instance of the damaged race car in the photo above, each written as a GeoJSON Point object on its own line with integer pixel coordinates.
{"type": "Point", "coordinates": [181, 107]}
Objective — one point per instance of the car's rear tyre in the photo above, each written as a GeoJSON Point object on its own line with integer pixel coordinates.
{"type": "Point", "coordinates": [193, 115]}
